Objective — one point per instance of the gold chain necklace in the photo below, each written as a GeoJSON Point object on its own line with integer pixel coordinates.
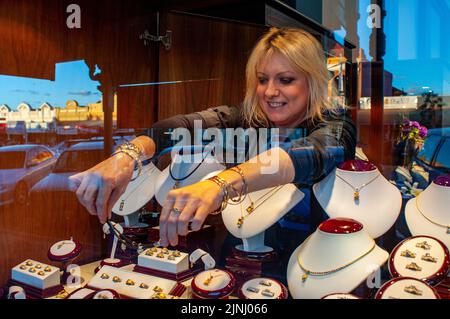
{"type": "Point", "coordinates": [308, 272]}
{"type": "Point", "coordinates": [429, 219]}
{"type": "Point", "coordinates": [255, 204]}
{"type": "Point", "coordinates": [356, 190]}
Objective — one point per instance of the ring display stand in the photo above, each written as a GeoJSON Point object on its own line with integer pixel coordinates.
{"type": "Point", "coordinates": [421, 257]}
{"type": "Point", "coordinates": [65, 252]}
{"type": "Point", "coordinates": [213, 284]}
{"type": "Point", "coordinates": [340, 296]}
{"type": "Point", "coordinates": [406, 288]}
{"type": "Point", "coordinates": [337, 258]}
{"type": "Point", "coordinates": [356, 189]}
{"type": "Point", "coordinates": [263, 288]}
{"type": "Point", "coordinates": [247, 260]}
{"type": "Point", "coordinates": [427, 213]}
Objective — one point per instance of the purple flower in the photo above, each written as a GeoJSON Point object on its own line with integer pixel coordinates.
{"type": "Point", "coordinates": [415, 124]}
{"type": "Point", "coordinates": [423, 131]}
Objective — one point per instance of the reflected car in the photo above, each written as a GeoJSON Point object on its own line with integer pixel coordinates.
{"type": "Point", "coordinates": [21, 167]}
{"type": "Point", "coordinates": [77, 158]}
{"type": "Point", "coordinates": [435, 154]}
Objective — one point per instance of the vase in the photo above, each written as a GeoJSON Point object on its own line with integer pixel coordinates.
{"type": "Point", "coordinates": [409, 151]}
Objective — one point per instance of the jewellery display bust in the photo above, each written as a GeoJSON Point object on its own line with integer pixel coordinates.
{"type": "Point", "coordinates": [213, 284]}
{"type": "Point", "coordinates": [356, 189]}
{"type": "Point", "coordinates": [427, 214]}
{"type": "Point", "coordinates": [139, 191]}
{"type": "Point", "coordinates": [274, 204]}
{"type": "Point", "coordinates": [337, 257]}
{"type": "Point", "coordinates": [406, 288]}
{"type": "Point", "coordinates": [186, 172]}
{"type": "Point", "coordinates": [421, 257]}
{"type": "Point", "coordinates": [263, 288]}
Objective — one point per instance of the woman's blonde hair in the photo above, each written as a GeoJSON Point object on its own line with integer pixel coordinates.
{"type": "Point", "coordinates": [305, 55]}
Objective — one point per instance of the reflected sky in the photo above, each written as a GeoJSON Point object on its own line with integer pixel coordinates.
{"type": "Point", "coordinates": [72, 82]}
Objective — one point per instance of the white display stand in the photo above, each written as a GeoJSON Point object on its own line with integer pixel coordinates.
{"type": "Point", "coordinates": [406, 288]}
{"type": "Point", "coordinates": [325, 251]}
{"type": "Point", "coordinates": [181, 166]}
{"type": "Point", "coordinates": [411, 251]}
{"type": "Point", "coordinates": [138, 192]}
{"type": "Point", "coordinates": [268, 213]}
{"type": "Point", "coordinates": [99, 281]}
{"type": "Point", "coordinates": [164, 259]}
{"type": "Point", "coordinates": [434, 202]}
{"type": "Point", "coordinates": [36, 274]}
{"type": "Point", "coordinates": [263, 288]}
{"type": "Point", "coordinates": [379, 202]}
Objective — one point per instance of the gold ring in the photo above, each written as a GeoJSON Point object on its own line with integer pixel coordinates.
{"type": "Point", "coordinates": [176, 210]}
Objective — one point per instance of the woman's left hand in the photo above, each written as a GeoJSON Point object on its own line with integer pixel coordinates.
{"type": "Point", "coordinates": [190, 204]}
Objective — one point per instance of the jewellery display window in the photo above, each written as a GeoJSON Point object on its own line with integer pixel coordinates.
{"type": "Point", "coordinates": [69, 97]}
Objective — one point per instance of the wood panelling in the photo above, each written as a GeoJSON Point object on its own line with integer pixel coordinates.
{"type": "Point", "coordinates": [136, 105]}
{"type": "Point", "coordinates": [213, 53]}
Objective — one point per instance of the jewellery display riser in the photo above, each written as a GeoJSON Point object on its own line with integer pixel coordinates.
{"type": "Point", "coordinates": [35, 293]}
{"type": "Point", "coordinates": [190, 242]}
{"type": "Point", "coordinates": [179, 277]}
{"type": "Point", "coordinates": [443, 288]}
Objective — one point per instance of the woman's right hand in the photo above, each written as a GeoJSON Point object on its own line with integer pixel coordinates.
{"type": "Point", "coordinates": [101, 186]}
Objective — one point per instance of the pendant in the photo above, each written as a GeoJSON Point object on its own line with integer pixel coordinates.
{"type": "Point", "coordinates": [240, 222]}
{"type": "Point", "coordinates": [176, 185]}
{"type": "Point", "coordinates": [356, 194]}
{"type": "Point", "coordinates": [250, 208]}
{"type": "Point", "coordinates": [121, 205]}
{"type": "Point", "coordinates": [305, 276]}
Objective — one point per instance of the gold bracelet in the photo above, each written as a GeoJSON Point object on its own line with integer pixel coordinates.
{"type": "Point", "coordinates": [133, 156]}
{"type": "Point", "coordinates": [223, 186]}
{"type": "Point", "coordinates": [239, 170]}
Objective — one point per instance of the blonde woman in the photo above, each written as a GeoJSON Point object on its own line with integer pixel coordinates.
{"type": "Point", "coordinates": [287, 85]}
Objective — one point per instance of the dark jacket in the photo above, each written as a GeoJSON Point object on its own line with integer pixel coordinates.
{"type": "Point", "coordinates": [315, 148]}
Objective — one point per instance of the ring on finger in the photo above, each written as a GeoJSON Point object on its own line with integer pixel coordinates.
{"type": "Point", "coordinates": [176, 210]}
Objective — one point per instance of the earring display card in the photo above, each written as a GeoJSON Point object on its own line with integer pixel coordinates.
{"type": "Point", "coordinates": [134, 285]}
{"type": "Point", "coordinates": [163, 259]}
{"type": "Point", "coordinates": [421, 257]}
{"type": "Point", "coordinates": [263, 288]}
{"type": "Point", "coordinates": [406, 288]}
{"type": "Point", "coordinates": [36, 274]}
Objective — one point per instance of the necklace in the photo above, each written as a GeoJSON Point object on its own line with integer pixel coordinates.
{"type": "Point", "coordinates": [357, 189]}
{"type": "Point", "coordinates": [255, 204]}
{"type": "Point", "coordinates": [122, 202]}
{"type": "Point", "coordinates": [210, 278]}
{"type": "Point", "coordinates": [308, 272]}
{"type": "Point", "coordinates": [429, 219]}
{"type": "Point", "coordinates": [178, 180]}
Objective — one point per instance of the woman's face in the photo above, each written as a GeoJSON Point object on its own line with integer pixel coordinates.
{"type": "Point", "coordinates": [282, 92]}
